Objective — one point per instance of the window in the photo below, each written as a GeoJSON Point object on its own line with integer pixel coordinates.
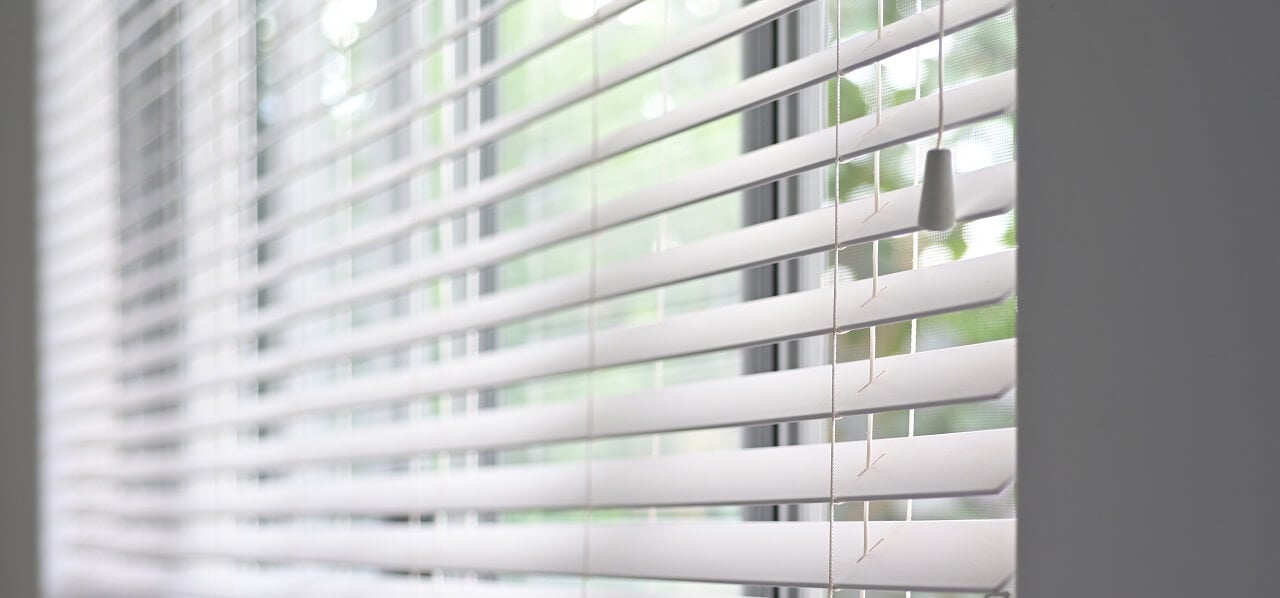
{"type": "Point", "coordinates": [526, 297]}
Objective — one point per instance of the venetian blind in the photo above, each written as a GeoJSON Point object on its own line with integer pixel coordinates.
{"type": "Point", "coordinates": [525, 297]}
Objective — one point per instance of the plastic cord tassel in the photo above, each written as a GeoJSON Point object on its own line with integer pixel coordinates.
{"type": "Point", "coordinates": [937, 201]}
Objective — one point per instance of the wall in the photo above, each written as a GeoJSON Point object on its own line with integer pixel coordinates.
{"type": "Point", "coordinates": [18, 443]}
{"type": "Point", "coordinates": [1148, 327]}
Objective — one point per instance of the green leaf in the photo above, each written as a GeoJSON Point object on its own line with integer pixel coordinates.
{"type": "Point", "coordinates": [853, 103]}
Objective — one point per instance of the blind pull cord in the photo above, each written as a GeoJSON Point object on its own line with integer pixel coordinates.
{"type": "Point", "coordinates": [875, 245]}
{"type": "Point", "coordinates": [591, 305]}
{"type": "Point", "coordinates": [937, 199]}
{"type": "Point", "coordinates": [835, 328]}
{"type": "Point", "coordinates": [867, 546]}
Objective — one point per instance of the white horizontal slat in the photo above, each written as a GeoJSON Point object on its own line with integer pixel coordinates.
{"type": "Point", "coordinates": [960, 464]}
{"type": "Point", "coordinates": [315, 61]}
{"type": "Point", "coordinates": [990, 278]}
{"type": "Point", "coordinates": [982, 193]}
{"type": "Point", "coordinates": [904, 295]}
{"type": "Point", "coordinates": [722, 28]}
{"type": "Point", "coordinates": [979, 194]}
{"type": "Point", "coordinates": [961, 374]}
{"type": "Point", "coordinates": [981, 99]}
{"type": "Point", "coordinates": [985, 98]}
{"type": "Point", "coordinates": [788, 78]}
{"type": "Point", "coordinates": [398, 63]}
{"type": "Point", "coordinates": [746, 17]}
{"type": "Point", "coordinates": [858, 52]}
{"type": "Point", "coordinates": [968, 103]}
{"type": "Point", "coordinates": [487, 72]}
{"type": "Point", "coordinates": [956, 556]}
{"type": "Point", "coordinates": [916, 293]}
{"type": "Point", "coordinates": [224, 582]}
{"type": "Point", "coordinates": [385, 17]}
{"type": "Point", "coordinates": [311, 63]}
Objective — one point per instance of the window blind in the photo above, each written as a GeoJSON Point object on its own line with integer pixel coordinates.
{"type": "Point", "coordinates": [525, 297]}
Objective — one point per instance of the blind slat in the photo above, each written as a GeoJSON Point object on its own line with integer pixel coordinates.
{"type": "Point", "coordinates": [462, 408]}
{"type": "Point", "coordinates": [737, 22]}
{"type": "Point", "coordinates": [455, 90]}
{"type": "Point", "coordinates": [959, 464]}
{"type": "Point", "coordinates": [943, 556]}
{"type": "Point", "coordinates": [857, 52]}
{"type": "Point", "coordinates": [905, 295]}
{"type": "Point", "coordinates": [133, 579]}
{"type": "Point", "coordinates": [985, 98]}
{"type": "Point", "coordinates": [944, 376]}
{"type": "Point", "coordinates": [979, 194]}
{"type": "Point", "coordinates": [981, 99]}
{"type": "Point", "coordinates": [384, 72]}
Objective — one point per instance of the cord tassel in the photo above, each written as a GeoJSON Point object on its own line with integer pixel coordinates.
{"type": "Point", "coordinates": [937, 200]}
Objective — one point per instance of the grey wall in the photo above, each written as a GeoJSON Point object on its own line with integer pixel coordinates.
{"type": "Point", "coordinates": [1149, 333]}
{"type": "Point", "coordinates": [18, 464]}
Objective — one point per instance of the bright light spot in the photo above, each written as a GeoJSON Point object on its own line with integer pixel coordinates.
{"type": "Point", "coordinates": [901, 70]}
{"type": "Point", "coordinates": [339, 19]}
{"type": "Point", "coordinates": [702, 8]}
{"type": "Point", "coordinates": [656, 104]}
{"type": "Point", "coordinates": [269, 108]}
{"type": "Point", "coordinates": [986, 236]}
{"type": "Point", "coordinates": [929, 51]}
{"type": "Point", "coordinates": [362, 10]}
{"type": "Point", "coordinates": [337, 78]}
{"type": "Point", "coordinates": [665, 242]}
{"type": "Point", "coordinates": [577, 10]}
{"type": "Point", "coordinates": [333, 90]}
{"type": "Point", "coordinates": [971, 156]}
{"type": "Point", "coordinates": [339, 31]}
{"type": "Point", "coordinates": [640, 14]}
{"type": "Point", "coordinates": [347, 109]}
{"type": "Point", "coordinates": [336, 66]}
